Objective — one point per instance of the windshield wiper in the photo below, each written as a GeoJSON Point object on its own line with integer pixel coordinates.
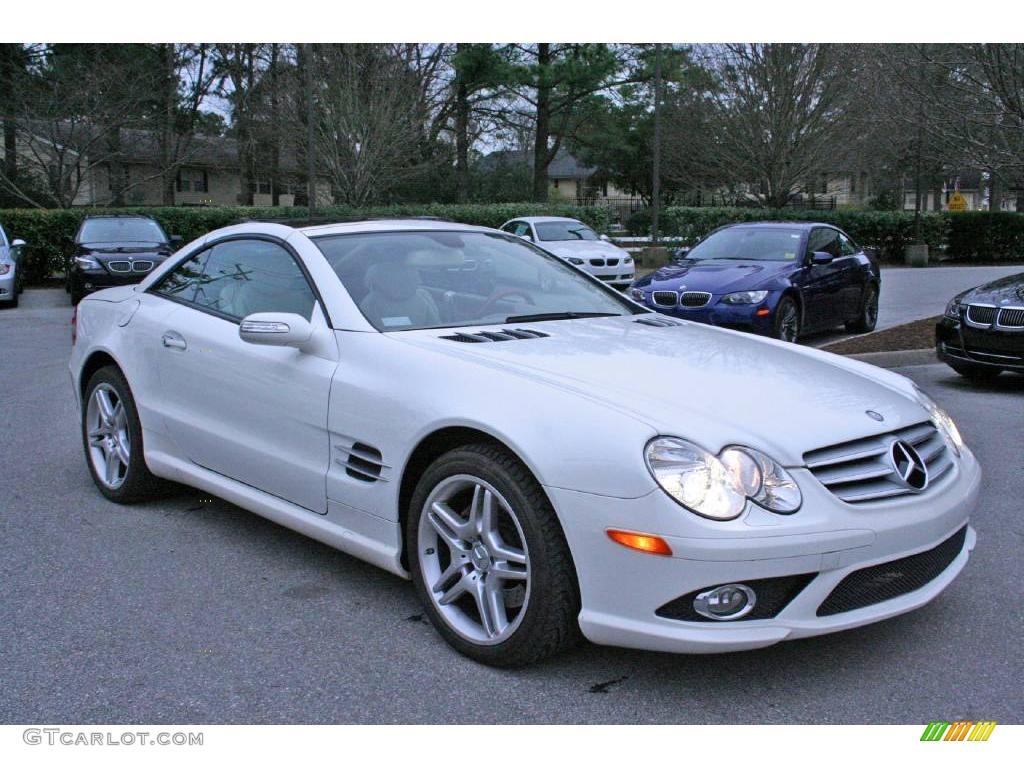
{"type": "Point", "coordinates": [541, 316]}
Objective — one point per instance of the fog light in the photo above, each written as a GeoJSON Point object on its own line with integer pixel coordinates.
{"type": "Point", "coordinates": [724, 603]}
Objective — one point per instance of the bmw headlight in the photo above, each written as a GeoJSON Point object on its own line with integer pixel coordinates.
{"type": "Point", "coordinates": [574, 260]}
{"type": "Point", "coordinates": [745, 297]}
{"type": "Point", "coordinates": [718, 487]}
{"type": "Point", "coordinates": [627, 260]}
{"type": "Point", "coordinates": [87, 262]}
{"type": "Point", "coordinates": [637, 294]}
{"type": "Point", "coordinates": [942, 420]}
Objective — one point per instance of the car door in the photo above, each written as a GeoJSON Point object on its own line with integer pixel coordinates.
{"type": "Point", "coordinates": [254, 413]}
{"type": "Point", "coordinates": [823, 283]}
{"type": "Point", "coordinates": [854, 274]}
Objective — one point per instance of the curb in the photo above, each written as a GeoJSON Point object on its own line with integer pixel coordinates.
{"type": "Point", "coordinates": [898, 359]}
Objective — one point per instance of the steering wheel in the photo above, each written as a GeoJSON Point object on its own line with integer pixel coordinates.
{"type": "Point", "coordinates": [495, 298]}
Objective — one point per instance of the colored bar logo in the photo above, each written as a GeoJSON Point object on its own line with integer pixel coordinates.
{"type": "Point", "coordinates": [961, 730]}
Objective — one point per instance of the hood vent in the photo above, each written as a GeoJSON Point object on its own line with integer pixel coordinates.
{"type": "Point", "coordinates": [657, 322]}
{"type": "Point", "coordinates": [364, 463]}
{"type": "Point", "coordinates": [505, 334]}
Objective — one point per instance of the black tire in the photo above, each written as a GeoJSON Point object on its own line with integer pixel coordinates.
{"type": "Point", "coordinates": [139, 483]}
{"type": "Point", "coordinates": [550, 624]}
{"type": "Point", "coordinates": [868, 317]}
{"type": "Point", "coordinates": [976, 372]}
{"type": "Point", "coordinates": [786, 322]}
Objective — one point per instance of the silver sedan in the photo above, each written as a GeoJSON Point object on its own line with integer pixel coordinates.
{"type": "Point", "coordinates": [11, 274]}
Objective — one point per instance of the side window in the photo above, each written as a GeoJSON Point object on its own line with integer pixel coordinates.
{"type": "Point", "coordinates": [846, 245]}
{"type": "Point", "coordinates": [245, 276]}
{"type": "Point", "coordinates": [511, 227]}
{"type": "Point", "coordinates": [521, 229]}
{"type": "Point", "coordinates": [826, 240]}
{"type": "Point", "coordinates": [182, 282]}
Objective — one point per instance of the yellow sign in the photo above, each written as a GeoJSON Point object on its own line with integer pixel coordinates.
{"type": "Point", "coordinates": [957, 202]}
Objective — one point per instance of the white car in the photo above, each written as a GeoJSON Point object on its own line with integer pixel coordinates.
{"type": "Point", "coordinates": [542, 456]}
{"type": "Point", "coordinates": [12, 275]}
{"type": "Point", "coordinates": [578, 244]}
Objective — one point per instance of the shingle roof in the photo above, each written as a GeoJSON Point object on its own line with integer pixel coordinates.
{"type": "Point", "coordinates": [564, 166]}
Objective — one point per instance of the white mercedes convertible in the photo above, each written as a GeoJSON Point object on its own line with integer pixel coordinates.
{"type": "Point", "coordinates": [544, 458]}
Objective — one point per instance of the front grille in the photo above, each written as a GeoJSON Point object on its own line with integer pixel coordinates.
{"type": "Point", "coordinates": [665, 298]}
{"type": "Point", "coordinates": [1011, 317]}
{"type": "Point", "coordinates": [885, 581]}
{"type": "Point", "coordinates": [694, 299]}
{"type": "Point", "coordinates": [597, 262]}
{"type": "Point", "coordinates": [142, 266]}
{"type": "Point", "coordinates": [771, 596]}
{"type": "Point", "coordinates": [862, 470]}
{"type": "Point", "coordinates": [612, 262]}
{"type": "Point", "coordinates": [119, 266]}
{"type": "Point", "coordinates": [980, 315]}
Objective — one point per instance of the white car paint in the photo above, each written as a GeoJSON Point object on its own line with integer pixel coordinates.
{"type": "Point", "coordinates": [595, 254]}
{"type": "Point", "coordinates": [269, 428]}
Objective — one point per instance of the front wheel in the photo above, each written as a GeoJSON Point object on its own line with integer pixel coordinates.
{"type": "Point", "coordinates": [489, 560]}
{"type": "Point", "coordinates": [787, 320]}
{"type": "Point", "coordinates": [868, 317]}
{"type": "Point", "coordinates": [112, 438]}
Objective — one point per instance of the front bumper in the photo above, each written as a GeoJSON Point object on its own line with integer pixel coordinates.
{"type": "Point", "coordinates": [8, 286]}
{"type": "Point", "coordinates": [90, 282]}
{"type": "Point", "coordinates": [827, 540]}
{"type": "Point", "coordinates": [755, 318]}
{"type": "Point", "coordinates": [956, 344]}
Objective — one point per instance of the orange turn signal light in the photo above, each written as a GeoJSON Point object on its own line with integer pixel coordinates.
{"type": "Point", "coordinates": [641, 542]}
{"type": "Point", "coordinates": [763, 311]}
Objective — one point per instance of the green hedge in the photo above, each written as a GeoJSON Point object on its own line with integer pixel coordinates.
{"type": "Point", "coordinates": [888, 232]}
{"type": "Point", "coordinates": [985, 236]}
{"type": "Point", "coordinates": [48, 232]}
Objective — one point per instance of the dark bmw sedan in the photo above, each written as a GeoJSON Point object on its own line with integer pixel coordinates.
{"type": "Point", "coordinates": [981, 333]}
{"type": "Point", "coordinates": [114, 250]}
{"type": "Point", "coordinates": [776, 279]}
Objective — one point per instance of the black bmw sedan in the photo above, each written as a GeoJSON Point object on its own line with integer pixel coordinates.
{"type": "Point", "coordinates": [981, 333]}
{"type": "Point", "coordinates": [781, 279]}
{"type": "Point", "coordinates": [114, 250]}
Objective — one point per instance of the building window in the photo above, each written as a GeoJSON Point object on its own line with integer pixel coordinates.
{"type": "Point", "coordinates": [192, 180]}
{"type": "Point", "coordinates": [555, 183]}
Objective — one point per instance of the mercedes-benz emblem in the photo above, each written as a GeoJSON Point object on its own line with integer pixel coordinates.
{"type": "Point", "coordinates": [875, 415]}
{"type": "Point", "coordinates": [908, 465]}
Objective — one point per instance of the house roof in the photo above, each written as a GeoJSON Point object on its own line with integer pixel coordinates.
{"type": "Point", "coordinates": [564, 166]}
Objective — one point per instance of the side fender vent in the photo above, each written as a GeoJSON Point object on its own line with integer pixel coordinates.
{"type": "Point", "coordinates": [658, 322]}
{"type": "Point", "coordinates": [364, 463]}
{"type": "Point", "coordinates": [505, 334]}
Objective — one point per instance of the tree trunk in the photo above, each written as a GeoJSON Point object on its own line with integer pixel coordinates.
{"type": "Point", "coordinates": [542, 129]}
{"type": "Point", "coordinates": [275, 125]}
{"type": "Point", "coordinates": [994, 192]}
{"type": "Point", "coordinates": [10, 149]}
{"type": "Point", "coordinates": [462, 136]}
{"type": "Point", "coordinates": [170, 89]}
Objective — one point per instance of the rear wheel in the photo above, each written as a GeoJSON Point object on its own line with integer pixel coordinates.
{"type": "Point", "coordinates": [112, 438]}
{"type": "Point", "coordinates": [489, 561]}
{"type": "Point", "coordinates": [976, 372]}
{"type": "Point", "coordinates": [787, 320]}
{"type": "Point", "coordinates": [868, 318]}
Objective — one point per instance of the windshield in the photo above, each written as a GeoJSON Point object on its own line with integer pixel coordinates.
{"type": "Point", "coordinates": [114, 230]}
{"type": "Point", "coordinates": [434, 279]}
{"type": "Point", "coordinates": [564, 230]}
{"type": "Point", "coordinates": [749, 244]}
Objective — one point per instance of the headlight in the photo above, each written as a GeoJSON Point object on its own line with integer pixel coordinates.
{"type": "Point", "coordinates": [953, 309]}
{"type": "Point", "coordinates": [574, 260]}
{"type": "Point", "coordinates": [942, 420]}
{"type": "Point", "coordinates": [628, 260]}
{"type": "Point", "coordinates": [745, 297]}
{"type": "Point", "coordinates": [87, 262]}
{"type": "Point", "coordinates": [637, 294]}
{"type": "Point", "coordinates": [694, 478]}
{"type": "Point", "coordinates": [719, 486]}
{"type": "Point", "coordinates": [4, 269]}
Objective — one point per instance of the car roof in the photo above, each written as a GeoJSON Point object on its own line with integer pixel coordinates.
{"type": "Point", "coordinates": [542, 219]}
{"type": "Point", "coordinates": [801, 225]}
{"type": "Point", "coordinates": [117, 216]}
{"type": "Point", "coordinates": [387, 225]}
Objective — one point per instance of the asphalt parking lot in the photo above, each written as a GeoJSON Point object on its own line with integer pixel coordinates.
{"type": "Point", "coordinates": [192, 610]}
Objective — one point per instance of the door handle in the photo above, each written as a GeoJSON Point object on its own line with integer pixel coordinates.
{"type": "Point", "coordinates": [173, 340]}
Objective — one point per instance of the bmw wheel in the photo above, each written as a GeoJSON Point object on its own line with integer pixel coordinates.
{"type": "Point", "coordinates": [868, 318]}
{"type": "Point", "coordinates": [787, 320]}
{"type": "Point", "coordinates": [489, 560]}
{"type": "Point", "coordinates": [112, 437]}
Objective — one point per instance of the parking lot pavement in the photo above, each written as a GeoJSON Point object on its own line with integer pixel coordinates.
{"type": "Point", "coordinates": [189, 609]}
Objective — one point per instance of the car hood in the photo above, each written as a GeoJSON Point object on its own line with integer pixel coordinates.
{"type": "Point", "coordinates": [715, 276]}
{"type": "Point", "coordinates": [114, 251]}
{"type": "Point", "coordinates": [709, 385]}
{"type": "Point", "coordinates": [1003, 292]}
{"type": "Point", "coordinates": [583, 248]}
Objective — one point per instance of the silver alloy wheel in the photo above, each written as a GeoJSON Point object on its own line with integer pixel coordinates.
{"type": "Point", "coordinates": [871, 308]}
{"type": "Point", "coordinates": [106, 425]}
{"type": "Point", "coordinates": [474, 560]}
{"type": "Point", "coordinates": [789, 322]}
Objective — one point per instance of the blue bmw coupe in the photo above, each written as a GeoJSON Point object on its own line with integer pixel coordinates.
{"type": "Point", "coordinates": [777, 279]}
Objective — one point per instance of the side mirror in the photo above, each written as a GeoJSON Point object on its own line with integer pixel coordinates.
{"type": "Point", "coordinates": [275, 329]}
{"type": "Point", "coordinates": [606, 238]}
{"type": "Point", "coordinates": [17, 242]}
{"type": "Point", "coordinates": [822, 257]}
{"type": "Point", "coordinates": [176, 238]}
{"type": "Point", "coordinates": [680, 253]}
{"type": "Point", "coordinates": [526, 236]}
